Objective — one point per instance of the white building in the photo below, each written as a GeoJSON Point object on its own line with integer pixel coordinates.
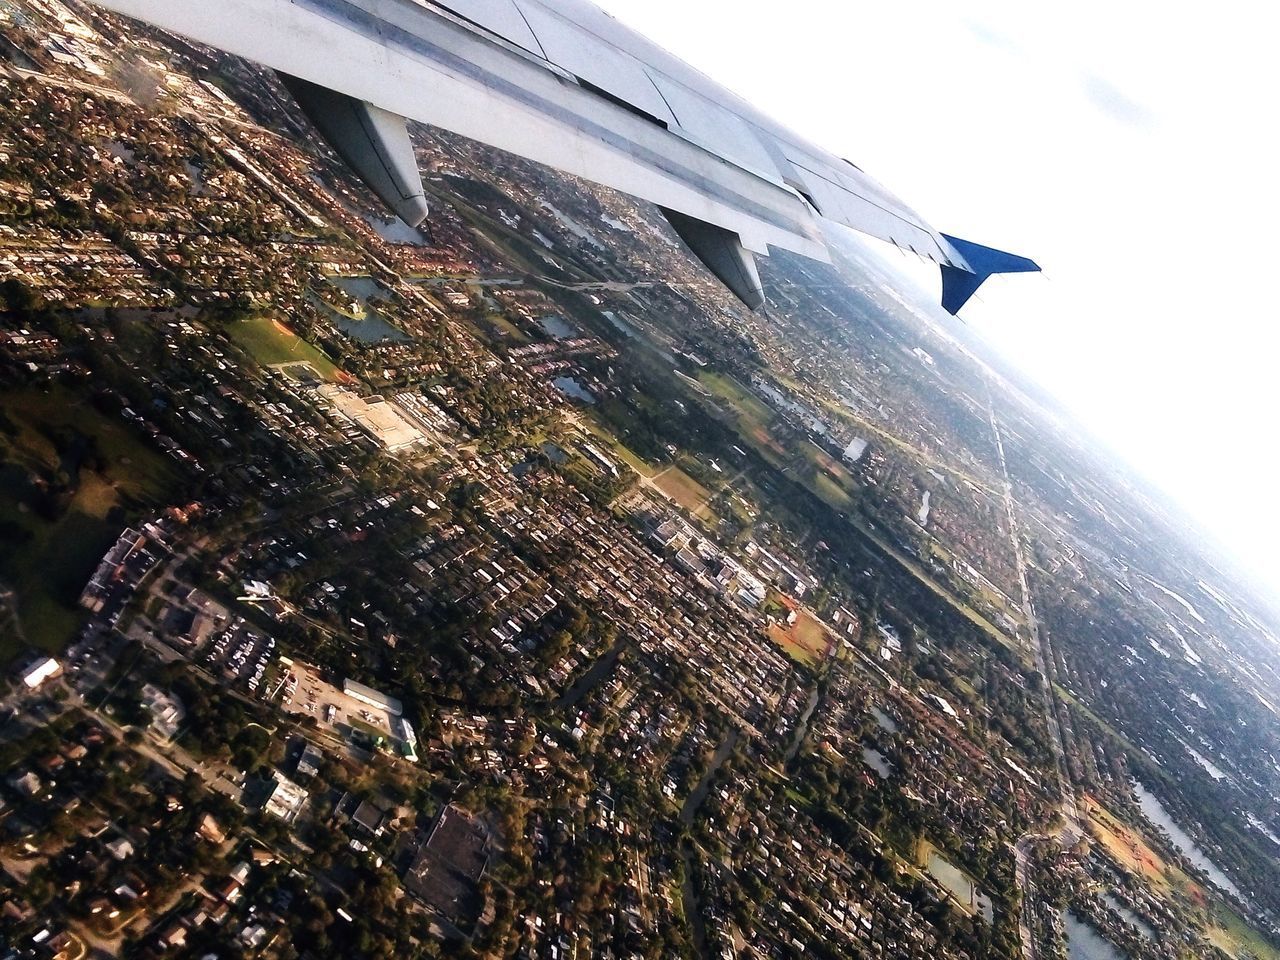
{"type": "Point", "coordinates": [374, 698]}
{"type": "Point", "coordinates": [43, 669]}
{"type": "Point", "coordinates": [286, 800]}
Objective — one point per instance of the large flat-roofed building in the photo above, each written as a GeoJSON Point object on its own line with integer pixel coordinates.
{"type": "Point", "coordinates": [379, 418]}
{"type": "Point", "coordinates": [444, 871]}
{"type": "Point", "coordinates": [404, 733]}
{"type": "Point", "coordinates": [38, 671]}
{"type": "Point", "coordinates": [372, 697]}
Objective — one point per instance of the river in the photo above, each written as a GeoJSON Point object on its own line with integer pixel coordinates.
{"type": "Point", "coordinates": [597, 672]}
{"type": "Point", "coordinates": [688, 853]}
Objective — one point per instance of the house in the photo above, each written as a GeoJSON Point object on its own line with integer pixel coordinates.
{"type": "Point", "coordinates": [174, 937]}
{"type": "Point", "coordinates": [286, 799]}
{"type": "Point", "coordinates": [309, 762]}
{"type": "Point", "coordinates": [208, 829]}
{"type": "Point", "coordinates": [167, 712]}
{"type": "Point", "coordinates": [25, 782]}
{"type": "Point", "coordinates": [370, 817]}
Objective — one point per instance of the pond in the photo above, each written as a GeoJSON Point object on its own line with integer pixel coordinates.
{"type": "Point", "coordinates": [572, 388]}
{"type": "Point", "coordinates": [1154, 811]}
{"type": "Point", "coordinates": [960, 884]}
{"type": "Point", "coordinates": [877, 762]}
{"type": "Point", "coordinates": [1086, 943]}
{"type": "Point", "coordinates": [618, 323]}
{"type": "Point", "coordinates": [196, 173]}
{"type": "Point", "coordinates": [394, 230]}
{"type": "Point", "coordinates": [1128, 916]}
{"type": "Point", "coordinates": [885, 721]}
{"type": "Point", "coordinates": [557, 327]}
{"type": "Point", "coordinates": [554, 453]}
{"type": "Point", "coordinates": [571, 225]}
{"type": "Point", "coordinates": [362, 288]}
{"type": "Point", "coordinates": [372, 327]}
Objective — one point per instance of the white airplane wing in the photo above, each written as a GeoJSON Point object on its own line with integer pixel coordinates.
{"type": "Point", "coordinates": [563, 83]}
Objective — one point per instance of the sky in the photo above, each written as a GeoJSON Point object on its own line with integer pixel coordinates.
{"type": "Point", "coordinates": [1131, 148]}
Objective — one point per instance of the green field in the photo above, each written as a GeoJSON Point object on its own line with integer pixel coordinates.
{"type": "Point", "coordinates": [270, 342]}
{"type": "Point", "coordinates": [103, 475]}
{"type": "Point", "coordinates": [749, 409]}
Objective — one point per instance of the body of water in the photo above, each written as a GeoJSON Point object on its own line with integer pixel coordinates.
{"type": "Point", "coordinates": [885, 721]}
{"type": "Point", "coordinates": [1154, 811]}
{"type": "Point", "coordinates": [196, 174]}
{"type": "Point", "coordinates": [923, 515]}
{"type": "Point", "coordinates": [960, 884]}
{"type": "Point", "coordinates": [363, 289]}
{"type": "Point", "coordinates": [1128, 916]}
{"type": "Point", "coordinates": [572, 388]}
{"type": "Point", "coordinates": [395, 230]}
{"type": "Point", "coordinates": [557, 327]}
{"type": "Point", "coordinates": [1086, 943]}
{"type": "Point", "coordinates": [554, 453]}
{"type": "Point", "coordinates": [877, 762]}
{"type": "Point", "coordinates": [619, 324]}
{"type": "Point", "coordinates": [372, 327]}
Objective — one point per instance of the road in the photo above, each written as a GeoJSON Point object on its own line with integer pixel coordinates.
{"type": "Point", "coordinates": [1042, 654]}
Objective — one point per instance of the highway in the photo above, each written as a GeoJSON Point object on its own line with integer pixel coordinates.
{"type": "Point", "coordinates": [1043, 657]}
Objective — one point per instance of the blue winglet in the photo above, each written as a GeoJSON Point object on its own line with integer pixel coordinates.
{"type": "Point", "coordinates": [959, 285]}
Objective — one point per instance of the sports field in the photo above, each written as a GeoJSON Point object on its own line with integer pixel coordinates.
{"type": "Point", "coordinates": [684, 490]}
{"type": "Point", "coordinates": [805, 640]}
{"type": "Point", "coordinates": [1224, 927]}
{"type": "Point", "coordinates": [271, 343]}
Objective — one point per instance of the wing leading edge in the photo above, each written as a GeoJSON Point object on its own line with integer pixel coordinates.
{"type": "Point", "coordinates": [562, 83]}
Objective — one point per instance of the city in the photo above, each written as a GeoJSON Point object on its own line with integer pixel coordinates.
{"type": "Point", "coordinates": [502, 587]}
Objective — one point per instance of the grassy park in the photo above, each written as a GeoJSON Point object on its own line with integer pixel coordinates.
{"type": "Point", "coordinates": [71, 478]}
{"type": "Point", "coordinates": [271, 343]}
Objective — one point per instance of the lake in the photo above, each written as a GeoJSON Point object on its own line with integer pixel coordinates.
{"type": "Point", "coordinates": [557, 327]}
{"type": "Point", "coordinates": [1154, 811]}
{"type": "Point", "coordinates": [370, 328]}
{"type": "Point", "coordinates": [618, 323]}
{"type": "Point", "coordinates": [1128, 916]}
{"type": "Point", "coordinates": [394, 230]}
{"type": "Point", "coordinates": [885, 721]}
{"type": "Point", "coordinates": [877, 762]}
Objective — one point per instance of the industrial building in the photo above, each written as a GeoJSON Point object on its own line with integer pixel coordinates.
{"type": "Point", "coordinates": [374, 698]}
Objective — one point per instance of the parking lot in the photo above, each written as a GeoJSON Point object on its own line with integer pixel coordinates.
{"type": "Point", "coordinates": [240, 655]}
{"type": "Point", "coordinates": [309, 693]}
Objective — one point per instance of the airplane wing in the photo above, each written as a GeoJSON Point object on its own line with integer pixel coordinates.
{"type": "Point", "coordinates": [562, 83]}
